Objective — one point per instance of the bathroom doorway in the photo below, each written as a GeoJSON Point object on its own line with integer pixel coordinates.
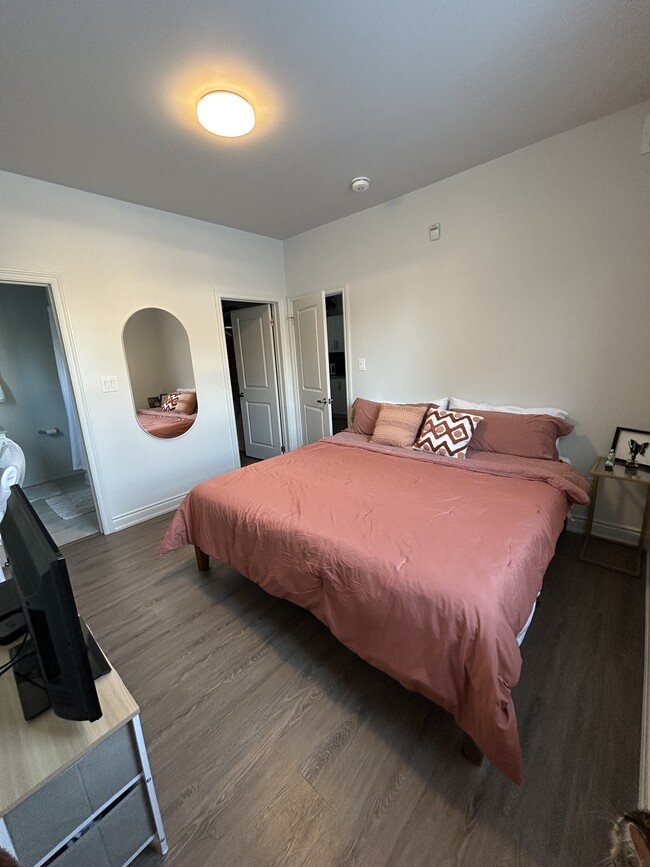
{"type": "Point", "coordinates": [38, 412]}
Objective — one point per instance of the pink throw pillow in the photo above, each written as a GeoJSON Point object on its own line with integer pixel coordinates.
{"type": "Point", "coordinates": [364, 416]}
{"type": "Point", "coordinates": [366, 412]}
{"type": "Point", "coordinates": [398, 424]}
{"type": "Point", "coordinates": [527, 436]}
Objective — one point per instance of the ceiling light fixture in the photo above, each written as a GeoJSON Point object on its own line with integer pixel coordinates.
{"type": "Point", "coordinates": [226, 114]}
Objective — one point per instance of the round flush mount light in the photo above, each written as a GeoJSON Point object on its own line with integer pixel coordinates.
{"type": "Point", "coordinates": [226, 114]}
{"type": "Point", "coordinates": [360, 185]}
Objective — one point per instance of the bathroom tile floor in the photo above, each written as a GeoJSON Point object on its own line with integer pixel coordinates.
{"type": "Point", "coordinates": [71, 529]}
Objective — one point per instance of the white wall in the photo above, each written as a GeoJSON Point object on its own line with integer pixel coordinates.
{"type": "Point", "coordinates": [112, 259]}
{"type": "Point", "coordinates": [31, 384]}
{"type": "Point", "coordinates": [537, 293]}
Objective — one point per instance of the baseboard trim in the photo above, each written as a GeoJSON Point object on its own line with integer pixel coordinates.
{"type": "Point", "coordinates": [602, 529]}
{"type": "Point", "coordinates": [644, 766]}
{"type": "Point", "coordinates": [137, 516]}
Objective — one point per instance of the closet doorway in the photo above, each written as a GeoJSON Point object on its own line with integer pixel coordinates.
{"type": "Point", "coordinates": [252, 354]}
{"type": "Point", "coordinates": [337, 361]}
{"type": "Point", "coordinates": [39, 413]}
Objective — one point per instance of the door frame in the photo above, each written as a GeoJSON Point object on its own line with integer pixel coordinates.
{"type": "Point", "coordinates": [278, 306]}
{"type": "Point", "coordinates": [53, 285]}
{"type": "Point", "coordinates": [339, 290]}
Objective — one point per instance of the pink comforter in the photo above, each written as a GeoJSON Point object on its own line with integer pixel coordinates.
{"type": "Point", "coordinates": [425, 567]}
{"type": "Point", "coordinates": [164, 425]}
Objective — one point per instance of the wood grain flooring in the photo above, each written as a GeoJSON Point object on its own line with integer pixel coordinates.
{"type": "Point", "coordinates": [271, 744]}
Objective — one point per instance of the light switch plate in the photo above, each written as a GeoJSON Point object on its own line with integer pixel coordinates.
{"type": "Point", "coordinates": [109, 383]}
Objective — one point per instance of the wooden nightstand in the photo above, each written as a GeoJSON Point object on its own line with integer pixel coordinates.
{"type": "Point", "coordinates": [619, 474]}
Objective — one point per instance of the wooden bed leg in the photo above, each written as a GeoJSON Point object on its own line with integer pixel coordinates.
{"type": "Point", "coordinates": [202, 560]}
{"type": "Point", "coordinates": [471, 751]}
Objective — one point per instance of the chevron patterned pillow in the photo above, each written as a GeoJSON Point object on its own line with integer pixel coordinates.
{"type": "Point", "coordinates": [447, 433]}
{"type": "Point", "coordinates": [170, 401]}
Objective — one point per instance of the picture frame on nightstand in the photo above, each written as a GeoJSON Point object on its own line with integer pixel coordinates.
{"type": "Point", "coordinates": [621, 445]}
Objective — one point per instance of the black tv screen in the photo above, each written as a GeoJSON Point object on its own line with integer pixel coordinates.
{"type": "Point", "coordinates": [60, 666]}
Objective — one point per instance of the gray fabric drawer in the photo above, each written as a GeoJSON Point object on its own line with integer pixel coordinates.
{"type": "Point", "coordinates": [88, 851]}
{"type": "Point", "coordinates": [127, 827]}
{"type": "Point", "coordinates": [109, 767]}
{"type": "Point", "coordinates": [39, 823]}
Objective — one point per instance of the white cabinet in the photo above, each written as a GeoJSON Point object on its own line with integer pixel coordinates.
{"type": "Point", "coordinates": [339, 395]}
{"type": "Point", "coordinates": [335, 340]}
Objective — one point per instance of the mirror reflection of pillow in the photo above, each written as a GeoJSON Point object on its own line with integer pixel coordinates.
{"type": "Point", "coordinates": [170, 401]}
{"type": "Point", "coordinates": [183, 402]}
{"type": "Point", "coordinates": [186, 402]}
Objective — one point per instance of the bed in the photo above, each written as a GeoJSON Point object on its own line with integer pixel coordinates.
{"type": "Point", "coordinates": [164, 424]}
{"type": "Point", "coordinates": [425, 566]}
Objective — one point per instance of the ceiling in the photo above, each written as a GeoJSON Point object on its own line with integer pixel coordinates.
{"type": "Point", "coordinates": [101, 95]}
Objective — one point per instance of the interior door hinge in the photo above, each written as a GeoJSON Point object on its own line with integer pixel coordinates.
{"type": "Point", "coordinates": [282, 449]}
{"type": "Point", "coordinates": [272, 321]}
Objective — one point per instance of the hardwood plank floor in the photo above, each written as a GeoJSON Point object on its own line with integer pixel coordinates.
{"type": "Point", "coordinates": [271, 744]}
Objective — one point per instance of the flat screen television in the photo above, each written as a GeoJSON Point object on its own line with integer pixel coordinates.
{"type": "Point", "coordinates": [53, 667]}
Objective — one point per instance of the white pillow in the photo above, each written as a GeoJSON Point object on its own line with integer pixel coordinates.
{"type": "Point", "coordinates": [457, 403]}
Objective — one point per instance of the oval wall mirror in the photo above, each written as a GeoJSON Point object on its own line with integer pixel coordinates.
{"type": "Point", "coordinates": [159, 362]}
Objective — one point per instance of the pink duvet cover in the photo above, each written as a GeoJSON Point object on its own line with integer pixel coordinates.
{"type": "Point", "coordinates": [425, 567]}
{"type": "Point", "coordinates": [164, 425]}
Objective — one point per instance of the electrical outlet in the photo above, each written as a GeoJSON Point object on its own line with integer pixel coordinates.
{"type": "Point", "coordinates": [362, 364]}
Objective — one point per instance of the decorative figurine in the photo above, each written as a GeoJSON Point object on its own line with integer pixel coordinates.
{"type": "Point", "coordinates": [636, 449]}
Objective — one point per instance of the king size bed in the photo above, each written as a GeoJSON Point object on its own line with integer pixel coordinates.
{"type": "Point", "coordinates": [426, 566]}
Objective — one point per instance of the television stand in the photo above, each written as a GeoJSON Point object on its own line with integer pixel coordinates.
{"type": "Point", "coordinates": [76, 793]}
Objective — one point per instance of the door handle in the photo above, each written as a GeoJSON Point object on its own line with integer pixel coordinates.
{"type": "Point", "coordinates": [324, 400]}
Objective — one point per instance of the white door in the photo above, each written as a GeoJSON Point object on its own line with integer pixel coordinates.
{"type": "Point", "coordinates": [313, 367]}
{"type": "Point", "coordinates": [252, 332]}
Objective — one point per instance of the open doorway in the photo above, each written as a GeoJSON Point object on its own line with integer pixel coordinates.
{"type": "Point", "coordinates": [38, 412]}
{"type": "Point", "coordinates": [253, 370]}
{"type": "Point", "coordinates": [336, 358]}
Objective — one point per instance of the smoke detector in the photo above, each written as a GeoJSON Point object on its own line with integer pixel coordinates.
{"type": "Point", "coordinates": [360, 185]}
